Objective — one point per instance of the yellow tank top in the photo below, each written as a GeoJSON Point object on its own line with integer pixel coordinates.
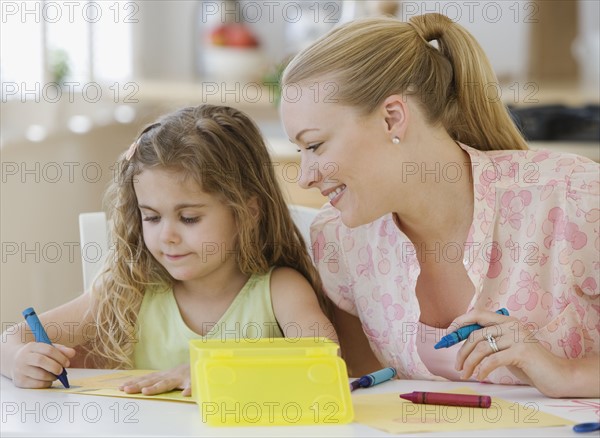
{"type": "Point", "coordinates": [163, 336]}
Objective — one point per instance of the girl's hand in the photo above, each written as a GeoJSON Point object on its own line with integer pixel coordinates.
{"type": "Point", "coordinates": [518, 349]}
{"type": "Point", "coordinates": [37, 364]}
{"type": "Point", "coordinates": [161, 381]}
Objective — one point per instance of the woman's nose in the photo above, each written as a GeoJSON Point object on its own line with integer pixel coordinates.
{"type": "Point", "coordinates": [310, 173]}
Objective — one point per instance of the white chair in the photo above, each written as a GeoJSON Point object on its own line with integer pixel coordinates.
{"type": "Point", "coordinates": [303, 218]}
{"type": "Point", "coordinates": [93, 235]}
{"type": "Point", "coordinates": [93, 239]}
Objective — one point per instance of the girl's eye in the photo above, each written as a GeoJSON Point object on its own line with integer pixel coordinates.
{"type": "Point", "coordinates": [189, 220]}
{"type": "Point", "coordinates": [151, 218]}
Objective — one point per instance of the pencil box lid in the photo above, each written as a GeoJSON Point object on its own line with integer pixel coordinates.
{"type": "Point", "coordinates": [270, 381]}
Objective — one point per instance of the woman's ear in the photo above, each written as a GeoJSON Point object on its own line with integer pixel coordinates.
{"type": "Point", "coordinates": [396, 113]}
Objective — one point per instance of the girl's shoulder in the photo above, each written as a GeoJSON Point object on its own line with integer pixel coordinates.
{"type": "Point", "coordinates": [287, 283]}
{"type": "Point", "coordinates": [284, 275]}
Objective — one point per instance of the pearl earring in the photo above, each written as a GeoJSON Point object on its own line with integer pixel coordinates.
{"type": "Point", "coordinates": [396, 140]}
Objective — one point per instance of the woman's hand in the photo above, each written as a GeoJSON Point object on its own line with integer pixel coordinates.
{"type": "Point", "coordinates": [524, 355]}
{"type": "Point", "coordinates": [161, 381]}
{"type": "Point", "coordinates": [37, 364]}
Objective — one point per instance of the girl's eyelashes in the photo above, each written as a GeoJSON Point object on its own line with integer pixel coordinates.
{"type": "Point", "coordinates": [184, 219]}
{"type": "Point", "coordinates": [190, 220]}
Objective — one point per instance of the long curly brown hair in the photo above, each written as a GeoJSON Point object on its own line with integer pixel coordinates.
{"type": "Point", "coordinates": [224, 152]}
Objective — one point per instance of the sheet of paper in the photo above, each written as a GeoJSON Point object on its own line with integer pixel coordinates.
{"type": "Point", "coordinates": [108, 385]}
{"type": "Point", "coordinates": [392, 414]}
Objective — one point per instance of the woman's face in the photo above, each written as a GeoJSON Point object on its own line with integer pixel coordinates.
{"type": "Point", "coordinates": [342, 152]}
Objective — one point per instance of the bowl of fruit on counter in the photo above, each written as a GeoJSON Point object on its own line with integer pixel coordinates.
{"type": "Point", "coordinates": [233, 53]}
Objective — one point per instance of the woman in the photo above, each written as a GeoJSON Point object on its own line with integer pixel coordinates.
{"type": "Point", "coordinates": [439, 215]}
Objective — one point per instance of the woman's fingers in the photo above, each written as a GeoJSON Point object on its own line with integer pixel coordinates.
{"type": "Point", "coordinates": [479, 346]}
{"type": "Point", "coordinates": [473, 342]}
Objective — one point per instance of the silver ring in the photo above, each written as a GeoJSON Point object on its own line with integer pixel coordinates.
{"type": "Point", "coordinates": [492, 343]}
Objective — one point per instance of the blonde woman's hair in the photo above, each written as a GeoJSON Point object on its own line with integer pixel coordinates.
{"type": "Point", "coordinates": [222, 150]}
{"type": "Point", "coordinates": [370, 59]}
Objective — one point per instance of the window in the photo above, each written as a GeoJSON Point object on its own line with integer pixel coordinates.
{"type": "Point", "coordinates": [78, 42]}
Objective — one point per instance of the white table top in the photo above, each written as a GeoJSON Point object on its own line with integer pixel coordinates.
{"type": "Point", "coordinates": [46, 413]}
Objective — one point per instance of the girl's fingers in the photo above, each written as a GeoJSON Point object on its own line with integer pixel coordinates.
{"type": "Point", "coordinates": [159, 382]}
{"type": "Point", "coordinates": [134, 386]}
{"type": "Point", "coordinates": [38, 373]}
{"type": "Point", "coordinates": [38, 349]}
{"type": "Point", "coordinates": [160, 387]}
{"type": "Point", "coordinates": [39, 364]}
{"type": "Point", "coordinates": [67, 351]}
{"type": "Point", "coordinates": [51, 362]}
{"type": "Point", "coordinates": [23, 381]}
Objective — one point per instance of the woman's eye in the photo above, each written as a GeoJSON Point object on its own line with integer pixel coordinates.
{"type": "Point", "coordinates": [311, 147]}
{"type": "Point", "coordinates": [151, 218]}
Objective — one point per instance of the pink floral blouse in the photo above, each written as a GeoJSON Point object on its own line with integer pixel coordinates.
{"type": "Point", "coordinates": [533, 248]}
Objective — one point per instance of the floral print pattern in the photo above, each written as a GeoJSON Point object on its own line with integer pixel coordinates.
{"type": "Point", "coordinates": [533, 247]}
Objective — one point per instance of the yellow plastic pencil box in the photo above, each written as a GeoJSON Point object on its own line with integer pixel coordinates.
{"type": "Point", "coordinates": [270, 381]}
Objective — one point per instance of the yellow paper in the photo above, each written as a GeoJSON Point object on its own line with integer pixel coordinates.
{"type": "Point", "coordinates": [392, 414]}
{"type": "Point", "coordinates": [108, 385]}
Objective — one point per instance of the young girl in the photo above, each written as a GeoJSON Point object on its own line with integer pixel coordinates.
{"type": "Point", "coordinates": [204, 246]}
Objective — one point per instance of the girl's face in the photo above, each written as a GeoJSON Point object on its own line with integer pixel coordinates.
{"type": "Point", "coordinates": [340, 153]}
{"type": "Point", "coordinates": [189, 232]}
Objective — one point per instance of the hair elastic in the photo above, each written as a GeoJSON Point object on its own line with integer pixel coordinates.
{"type": "Point", "coordinates": [132, 149]}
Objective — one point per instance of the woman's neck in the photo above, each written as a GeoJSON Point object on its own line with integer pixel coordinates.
{"type": "Point", "coordinates": [440, 208]}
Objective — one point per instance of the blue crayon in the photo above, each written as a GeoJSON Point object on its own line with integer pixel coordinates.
{"type": "Point", "coordinates": [586, 427]}
{"type": "Point", "coordinates": [41, 336]}
{"type": "Point", "coordinates": [374, 378]}
{"type": "Point", "coordinates": [462, 333]}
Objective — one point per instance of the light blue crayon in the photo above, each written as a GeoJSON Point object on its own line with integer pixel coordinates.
{"type": "Point", "coordinates": [377, 377]}
{"type": "Point", "coordinates": [462, 333]}
{"type": "Point", "coordinates": [41, 336]}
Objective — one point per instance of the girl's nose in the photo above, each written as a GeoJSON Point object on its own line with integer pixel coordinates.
{"type": "Point", "coordinates": [168, 233]}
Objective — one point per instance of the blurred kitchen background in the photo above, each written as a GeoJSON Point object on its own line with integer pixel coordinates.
{"type": "Point", "coordinates": [80, 79]}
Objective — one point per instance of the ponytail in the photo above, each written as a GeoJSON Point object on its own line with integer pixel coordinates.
{"type": "Point", "coordinates": [471, 116]}
{"type": "Point", "coordinates": [373, 58]}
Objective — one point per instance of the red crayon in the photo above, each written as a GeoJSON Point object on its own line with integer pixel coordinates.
{"type": "Point", "coordinates": [442, 398]}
